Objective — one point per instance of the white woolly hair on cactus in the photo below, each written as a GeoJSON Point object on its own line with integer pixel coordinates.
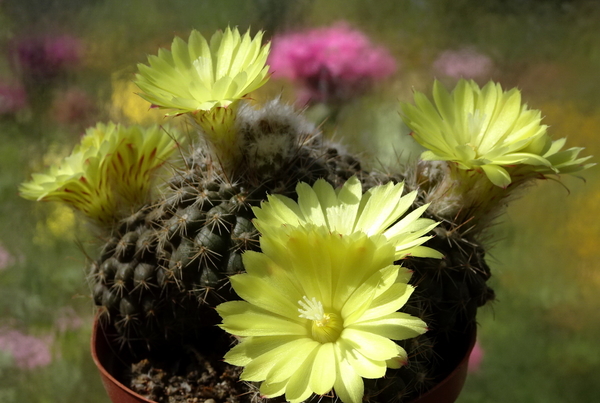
{"type": "Point", "coordinates": [272, 134]}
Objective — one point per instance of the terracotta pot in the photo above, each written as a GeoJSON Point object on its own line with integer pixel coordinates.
{"type": "Point", "coordinates": [448, 390]}
{"type": "Point", "coordinates": [109, 360]}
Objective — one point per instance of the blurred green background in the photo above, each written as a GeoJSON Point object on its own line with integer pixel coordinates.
{"type": "Point", "coordinates": [539, 339]}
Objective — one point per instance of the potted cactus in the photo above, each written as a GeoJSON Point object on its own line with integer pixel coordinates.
{"type": "Point", "coordinates": [249, 248]}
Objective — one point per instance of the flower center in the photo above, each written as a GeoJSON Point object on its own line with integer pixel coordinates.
{"type": "Point", "coordinates": [326, 327]}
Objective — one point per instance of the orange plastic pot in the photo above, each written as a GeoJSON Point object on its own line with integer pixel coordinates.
{"type": "Point", "coordinates": [110, 362]}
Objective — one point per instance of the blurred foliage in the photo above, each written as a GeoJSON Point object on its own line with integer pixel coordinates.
{"type": "Point", "coordinates": [539, 338]}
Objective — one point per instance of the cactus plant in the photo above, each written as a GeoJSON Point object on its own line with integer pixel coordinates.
{"type": "Point", "coordinates": [335, 279]}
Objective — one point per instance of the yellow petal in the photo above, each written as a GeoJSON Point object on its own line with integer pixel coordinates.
{"type": "Point", "coordinates": [271, 297]}
{"type": "Point", "coordinates": [272, 389]}
{"type": "Point", "coordinates": [323, 373]}
{"type": "Point", "coordinates": [395, 326]}
{"type": "Point", "coordinates": [348, 384]}
{"type": "Point", "coordinates": [369, 344]}
{"type": "Point", "coordinates": [298, 389]}
{"type": "Point", "coordinates": [243, 319]}
{"type": "Point", "coordinates": [253, 347]}
{"type": "Point", "coordinates": [280, 363]}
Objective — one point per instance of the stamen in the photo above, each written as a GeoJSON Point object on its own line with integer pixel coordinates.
{"type": "Point", "coordinates": [311, 309]}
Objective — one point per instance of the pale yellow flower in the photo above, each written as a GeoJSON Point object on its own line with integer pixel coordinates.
{"type": "Point", "coordinates": [207, 80]}
{"type": "Point", "coordinates": [320, 311]}
{"type": "Point", "coordinates": [487, 129]}
{"type": "Point", "coordinates": [347, 210]}
{"type": "Point", "coordinates": [198, 75]}
{"type": "Point", "coordinates": [108, 173]}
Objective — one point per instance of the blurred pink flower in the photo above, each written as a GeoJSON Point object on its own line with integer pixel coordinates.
{"type": "Point", "coordinates": [476, 358]}
{"type": "Point", "coordinates": [28, 352]}
{"type": "Point", "coordinates": [45, 57]}
{"type": "Point", "coordinates": [463, 63]}
{"type": "Point", "coordinates": [6, 259]}
{"type": "Point", "coordinates": [65, 50]}
{"type": "Point", "coordinates": [331, 63]}
{"type": "Point", "coordinates": [68, 320]}
{"type": "Point", "coordinates": [12, 99]}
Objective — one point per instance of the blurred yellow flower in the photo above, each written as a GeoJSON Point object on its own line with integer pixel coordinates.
{"type": "Point", "coordinates": [125, 103]}
{"type": "Point", "coordinates": [59, 224]}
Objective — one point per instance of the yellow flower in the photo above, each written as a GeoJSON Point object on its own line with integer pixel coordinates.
{"type": "Point", "coordinates": [320, 312]}
{"type": "Point", "coordinates": [109, 172]}
{"type": "Point", "coordinates": [487, 129]}
{"type": "Point", "coordinates": [347, 210]}
{"type": "Point", "coordinates": [60, 224]}
{"type": "Point", "coordinates": [199, 76]}
{"type": "Point", "coordinates": [207, 80]}
{"type": "Point", "coordinates": [127, 106]}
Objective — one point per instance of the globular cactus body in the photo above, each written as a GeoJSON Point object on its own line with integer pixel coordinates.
{"type": "Point", "coordinates": [164, 267]}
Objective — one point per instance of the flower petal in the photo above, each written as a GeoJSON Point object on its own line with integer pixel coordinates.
{"type": "Point", "coordinates": [286, 358]}
{"type": "Point", "coordinates": [273, 389]}
{"type": "Point", "coordinates": [363, 366]}
{"type": "Point", "coordinates": [323, 372]}
{"type": "Point", "coordinates": [252, 347]}
{"type": "Point", "coordinates": [363, 295]}
{"type": "Point", "coordinates": [348, 384]}
{"type": "Point", "coordinates": [309, 204]}
{"type": "Point", "coordinates": [270, 298]}
{"type": "Point", "coordinates": [388, 302]}
{"type": "Point", "coordinates": [381, 206]}
{"type": "Point", "coordinates": [369, 344]}
{"type": "Point", "coordinates": [298, 389]}
{"type": "Point", "coordinates": [399, 360]}
{"type": "Point", "coordinates": [243, 319]}
{"type": "Point", "coordinates": [395, 326]}
{"type": "Point", "coordinates": [497, 175]}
